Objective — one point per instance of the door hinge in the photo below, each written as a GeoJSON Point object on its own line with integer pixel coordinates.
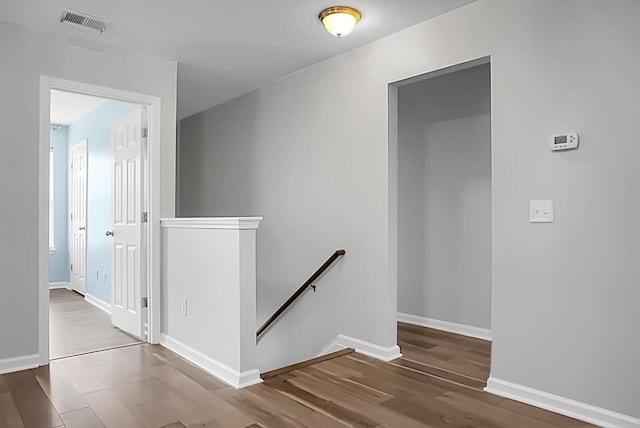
{"type": "Point", "coordinates": [144, 302]}
{"type": "Point", "coordinates": [71, 268]}
{"type": "Point", "coordinates": [145, 217]}
{"type": "Point", "coordinates": [71, 167]}
{"type": "Point", "coordinates": [71, 215]}
{"type": "Point", "coordinates": [144, 132]}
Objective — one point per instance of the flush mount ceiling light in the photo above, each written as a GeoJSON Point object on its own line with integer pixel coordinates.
{"type": "Point", "coordinates": [339, 20]}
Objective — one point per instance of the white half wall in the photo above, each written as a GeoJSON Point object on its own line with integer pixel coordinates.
{"type": "Point", "coordinates": [209, 294]}
{"type": "Point", "coordinates": [311, 152]}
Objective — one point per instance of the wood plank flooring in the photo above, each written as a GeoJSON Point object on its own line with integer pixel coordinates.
{"type": "Point", "coordinates": [78, 327]}
{"type": "Point", "coordinates": [437, 384]}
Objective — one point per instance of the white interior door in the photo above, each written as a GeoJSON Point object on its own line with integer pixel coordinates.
{"type": "Point", "coordinates": [78, 214]}
{"type": "Point", "coordinates": [129, 279]}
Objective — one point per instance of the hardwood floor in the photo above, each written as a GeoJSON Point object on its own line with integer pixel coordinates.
{"type": "Point", "coordinates": [457, 358]}
{"type": "Point", "coordinates": [438, 383]}
{"type": "Point", "coordinates": [78, 327]}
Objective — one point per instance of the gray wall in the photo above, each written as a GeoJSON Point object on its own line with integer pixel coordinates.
{"type": "Point", "coordinates": [444, 197]}
{"type": "Point", "coordinates": [26, 56]}
{"type": "Point", "coordinates": [262, 156]}
{"type": "Point", "coordinates": [311, 153]}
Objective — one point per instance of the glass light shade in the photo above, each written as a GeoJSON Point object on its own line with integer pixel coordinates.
{"type": "Point", "coordinates": [339, 20]}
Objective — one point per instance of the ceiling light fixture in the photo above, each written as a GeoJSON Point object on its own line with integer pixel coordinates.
{"type": "Point", "coordinates": [339, 20]}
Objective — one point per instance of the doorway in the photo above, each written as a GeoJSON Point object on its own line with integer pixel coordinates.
{"type": "Point", "coordinates": [443, 175]}
{"type": "Point", "coordinates": [84, 314]}
{"type": "Point", "coordinates": [147, 186]}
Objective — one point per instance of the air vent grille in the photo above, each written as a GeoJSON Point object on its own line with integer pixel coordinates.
{"type": "Point", "coordinates": [84, 20]}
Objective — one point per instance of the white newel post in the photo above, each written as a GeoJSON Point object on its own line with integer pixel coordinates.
{"type": "Point", "coordinates": [209, 294]}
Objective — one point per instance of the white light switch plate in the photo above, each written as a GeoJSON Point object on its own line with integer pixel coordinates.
{"type": "Point", "coordinates": [541, 211]}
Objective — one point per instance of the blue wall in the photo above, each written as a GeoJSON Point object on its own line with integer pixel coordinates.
{"type": "Point", "coordinates": [94, 127]}
{"type": "Point", "coordinates": [59, 262]}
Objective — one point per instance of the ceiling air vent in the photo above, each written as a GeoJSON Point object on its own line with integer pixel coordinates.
{"type": "Point", "coordinates": [84, 20]}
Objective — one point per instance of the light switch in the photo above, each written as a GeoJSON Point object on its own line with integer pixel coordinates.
{"type": "Point", "coordinates": [541, 211]}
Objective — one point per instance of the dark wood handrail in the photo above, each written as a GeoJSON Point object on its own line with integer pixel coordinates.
{"type": "Point", "coordinates": [298, 293]}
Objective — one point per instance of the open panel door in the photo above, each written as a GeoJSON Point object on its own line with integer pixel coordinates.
{"type": "Point", "coordinates": [78, 171]}
{"type": "Point", "coordinates": [128, 139]}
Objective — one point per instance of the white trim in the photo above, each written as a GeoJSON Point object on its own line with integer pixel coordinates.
{"type": "Point", "coordinates": [152, 180]}
{"type": "Point", "coordinates": [10, 365]}
{"type": "Point", "coordinates": [52, 203]}
{"type": "Point", "coordinates": [393, 173]}
{"type": "Point", "coordinates": [56, 285]}
{"type": "Point", "coordinates": [564, 406]}
{"type": "Point", "coordinates": [154, 233]}
{"type": "Point", "coordinates": [99, 303]}
{"type": "Point", "coordinates": [390, 323]}
{"type": "Point", "coordinates": [341, 342]}
{"type": "Point", "coordinates": [222, 371]}
{"type": "Point", "coordinates": [235, 223]}
{"type": "Point", "coordinates": [43, 222]}
{"type": "Point", "coordinates": [451, 327]}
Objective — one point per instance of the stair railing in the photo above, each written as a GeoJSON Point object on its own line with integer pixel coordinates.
{"type": "Point", "coordinates": [304, 287]}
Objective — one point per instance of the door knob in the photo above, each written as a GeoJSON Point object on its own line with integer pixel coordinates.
{"type": "Point", "coordinates": [109, 233]}
{"type": "Point", "coordinates": [81, 228]}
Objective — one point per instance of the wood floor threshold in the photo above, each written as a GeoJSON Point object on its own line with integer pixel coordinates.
{"type": "Point", "coordinates": [307, 363]}
{"type": "Point", "coordinates": [444, 374]}
{"type": "Point", "coordinates": [422, 363]}
{"type": "Point", "coordinates": [108, 348]}
{"type": "Point", "coordinates": [435, 376]}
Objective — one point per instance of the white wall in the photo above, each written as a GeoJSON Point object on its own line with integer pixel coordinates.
{"type": "Point", "coordinates": [444, 242]}
{"type": "Point", "coordinates": [26, 56]}
{"type": "Point", "coordinates": [310, 153]}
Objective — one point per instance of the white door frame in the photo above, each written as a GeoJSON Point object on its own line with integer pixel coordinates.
{"type": "Point", "coordinates": [393, 180]}
{"type": "Point", "coordinates": [152, 200]}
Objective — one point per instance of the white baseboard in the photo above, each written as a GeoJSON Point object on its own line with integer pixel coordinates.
{"type": "Point", "coordinates": [10, 365]}
{"type": "Point", "coordinates": [451, 327]}
{"type": "Point", "coordinates": [341, 342]}
{"type": "Point", "coordinates": [55, 285]}
{"type": "Point", "coordinates": [99, 303]}
{"type": "Point", "coordinates": [564, 406]}
{"type": "Point", "coordinates": [222, 371]}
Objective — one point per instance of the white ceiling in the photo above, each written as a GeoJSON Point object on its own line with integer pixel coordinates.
{"type": "Point", "coordinates": [67, 107]}
{"type": "Point", "coordinates": [224, 48]}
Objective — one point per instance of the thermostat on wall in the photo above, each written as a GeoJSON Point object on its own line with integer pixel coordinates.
{"type": "Point", "coordinates": [564, 142]}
